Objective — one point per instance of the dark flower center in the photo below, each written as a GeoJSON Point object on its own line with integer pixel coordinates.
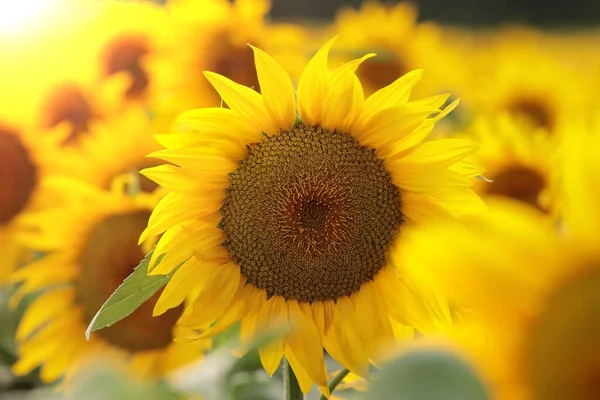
{"type": "Point", "coordinates": [67, 103]}
{"type": "Point", "coordinates": [380, 71]}
{"type": "Point", "coordinates": [519, 183]}
{"type": "Point", "coordinates": [310, 214]}
{"type": "Point", "coordinates": [234, 61]}
{"type": "Point", "coordinates": [109, 256]}
{"type": "Point", "coordinates": [126, 54]}
{"type": "Point", "coordinates": [18, 176]}
{"type": "Point", "coordinates": [535, 111]}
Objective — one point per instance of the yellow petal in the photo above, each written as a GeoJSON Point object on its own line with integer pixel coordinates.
{"type": "Point", "coordinates": [439, 153]}
{"type": "Point", "coordinates": [188, 277]}
{"type": "Point", "coordinates": [215, 297]}
{"type": "Point", "coordinates": [209, 123]}
{"type": "Point", "coordinates": [44, 308]}
{"type": "Point", "coordinates": [276, 88]}
{"type": "Point", "coordinates": [343, 101]}
{"type": "Point", "coordinates": [392, 95]}
{"type": "Point", "coordinates": [306, 344]}
{"type": "Point", "coordinates": [244, 102]}
{"type": "Point", "coordinates": [312, 86]}
{"type": "Point", "coordinates": [273, 315]}
{"type": "Point", "coordinates": [353, 65]}
{"type": "Point", "coordinates": [392, 125]}
{"type": "Point", "coordinates": [304, 380]}
{"type": "Point", "coordinates": [175, 209]}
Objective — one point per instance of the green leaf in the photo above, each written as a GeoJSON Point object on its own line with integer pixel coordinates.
{"type": "Point", "coordinates": [427, 375]}
{"type": "Point", "coordinates": [132, 293]}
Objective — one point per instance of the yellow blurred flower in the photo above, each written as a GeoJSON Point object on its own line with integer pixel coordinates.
{"type": "Point", "coordinates": [288, 218]}
{"type": "Point", "coordinates": [90, 246]}
{"type": "Point", "coordinates": [127, 35]}
{"type": "Point", "coordinates": [24, 164]}
{"type": "Point", "coordinates": [214, 35]}
{"type": "Point", "coordinates": [531, 292]}
{"type": "Point", "coordinates": [520, 160]}
{"type": "Point", "coordinates": [509, 71]}
{"type": "Point", "coordinates": [401, 45]}
{"type": "Point", "coordinates": [111, 144]}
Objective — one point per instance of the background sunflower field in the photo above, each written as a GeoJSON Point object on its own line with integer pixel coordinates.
{"type": "Point", "coordinates": [157, 157]}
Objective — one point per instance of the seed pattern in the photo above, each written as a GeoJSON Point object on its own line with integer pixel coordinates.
{"type": "Point", "coordinates": [310, 214]}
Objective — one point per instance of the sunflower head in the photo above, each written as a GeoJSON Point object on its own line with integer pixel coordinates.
{"type": "Point", "coordinates": [402, 45]}
{"type": "Point", "coordinates": [521, 161]}
{"type": "Point", "coordinates": [303, 195]}
{"type": "Point", "coordinates": [88, 255]}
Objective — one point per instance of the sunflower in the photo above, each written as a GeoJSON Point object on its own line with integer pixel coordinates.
{"type": "Point", "coordinates": [520, 160]}
{"type": "Point", "coordinates": [287, 217]}
{"type": "Point", "coordinates": [90, 242]}
{"type": "Point", "coordinates": [22, 168]}
{"type": "Point", "coordinates": [226, 29]}
{"type": "Point", "coordinates": [111, 145]}
{"type": "Point", "coordinates": [127, 35]}
{"type": "Point", "coordinates": [402, 45]}
{"type": "Point", "coordinates": [533, 328]}
{"type": "Point", "coordinates": [510, 73]}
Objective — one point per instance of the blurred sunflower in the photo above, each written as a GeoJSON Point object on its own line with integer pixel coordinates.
{"type": "Point", "coordinates": [534, 323]}
{"type": "Point", "coordinates": [19, 177]}
{"type": "Point", "coordinates": [401, 44]}
{"type": "Point", "coordinates": [226, 29]}
{"type": "Point", "coordinates": [111, 145]}
{"type": "Point", "coordinates": [91, 246]}
{"type": "Point", "coordinates": [126, 35]}
{"type": "Point", "coordinates": [24, 153]}
{"type": "Point", "coordinates": [520, 79]}
{"type": "Point", "coordinates": [520, 161]}
{"type": "Point", "coordinates": [288, 218]}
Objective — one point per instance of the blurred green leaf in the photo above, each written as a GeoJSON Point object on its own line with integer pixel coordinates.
{"type": "Point", "coordinates": [229, 338]}
{"type": "Point", "coordinates": [105, 382]}
{"type": "Point", "coordinates": [220, 375]}
{"type": "Point", "coordinates": [132, 293]}
{"type": "Point", "coordinates": [427, 375]}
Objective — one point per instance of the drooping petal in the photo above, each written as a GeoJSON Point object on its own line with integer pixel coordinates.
{"type": "Point", "coordinates": [215, 297]}
{"type": "Point", "coordinates": [306, 344]}
{"type": "Point", "coordinates": [273, 315]}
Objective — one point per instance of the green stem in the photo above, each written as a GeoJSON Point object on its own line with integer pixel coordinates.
{"type": "Point", "coordinates": [290, 383]}
{"type": "Point", "coordinates": [335, 382]}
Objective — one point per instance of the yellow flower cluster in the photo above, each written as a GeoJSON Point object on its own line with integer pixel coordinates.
{"type": "Point", "coordinates": [285, 178]}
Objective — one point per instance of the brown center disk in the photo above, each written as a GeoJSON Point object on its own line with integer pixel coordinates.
{"type": "Point", "coordinates": [108, 257]}
{"type": "Point", "coordinates": [519, 183]}
{"type": "Point", "coordinates": [562, 351]}
{"type": "Point", "coordinates": [234, 61]}
{"type": "Point", "coordinates": [18, 176]}
{"type": "Point", "coordinates": [310, 214]}
{"type": "Point", "coordinates": [536, 111]}
{"type": "Point", "coordinates": [380, 71]}
{"type": "Point", "coordinates": [67, 103]}
{"type": "Point", "coordinates": [125, 54]}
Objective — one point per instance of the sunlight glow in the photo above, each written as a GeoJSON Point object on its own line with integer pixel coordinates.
{"type": "Point", "coordinates": [16, 16]}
